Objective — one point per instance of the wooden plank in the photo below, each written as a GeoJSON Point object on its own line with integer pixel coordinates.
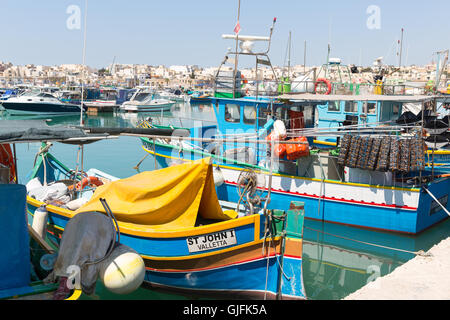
{"type": "Point", "coordinates": [40, 240]}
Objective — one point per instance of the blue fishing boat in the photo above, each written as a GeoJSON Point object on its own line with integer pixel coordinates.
{"type": "Point", "coordinates": [335, 113]}
{"type": "Point", "coordinates": [199, 97]}
{"type": "Point", "coordinates": [249, 140]}
{"type": "Point", "coordinates": [190, 242]}
{"type": "Point", "coordinates": [331, 192]}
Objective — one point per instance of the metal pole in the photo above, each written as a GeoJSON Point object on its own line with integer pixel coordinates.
{"type": "Point", "coordinates": [84, 60]}
{"type": "Point", "coordinates": [237, 54]}
{"type": "Point", "coordinates": [401, 49]}
{"type": "Point", "coordinates": [304, 58]}
{"type": "Point", "coordinates": [15, 163]}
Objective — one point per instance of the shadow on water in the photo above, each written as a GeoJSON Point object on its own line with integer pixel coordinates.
{"type": "Point", "coordinates": [337, 259]}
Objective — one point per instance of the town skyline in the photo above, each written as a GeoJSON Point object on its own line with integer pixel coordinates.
{"type": "Point", "coordinates": [170, 33]}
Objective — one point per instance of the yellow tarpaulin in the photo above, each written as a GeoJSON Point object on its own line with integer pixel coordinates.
{"type": "Point", "coordinates": [169, 198]}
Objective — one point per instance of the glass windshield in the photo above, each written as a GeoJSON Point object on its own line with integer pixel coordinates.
{"type": "Point", "coordinates": [141, 96]}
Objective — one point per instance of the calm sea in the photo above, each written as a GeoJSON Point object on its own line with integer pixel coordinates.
{"type": "Point", "coordinates": [337, 260]}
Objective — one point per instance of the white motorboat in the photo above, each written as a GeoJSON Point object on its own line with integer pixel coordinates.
{"type": "Point", "coordinates": [174, 95]}
{"type": "Point", "coordinates": [144, 100]}
{"type": "Point", "coordinates": [37, 103]}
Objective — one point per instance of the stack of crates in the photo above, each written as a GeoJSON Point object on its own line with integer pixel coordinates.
{"type": "Point", "coordinates": [224, 84]}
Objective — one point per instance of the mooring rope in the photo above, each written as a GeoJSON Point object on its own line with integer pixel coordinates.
{"type": "Point", "coordinates": [419, 253]}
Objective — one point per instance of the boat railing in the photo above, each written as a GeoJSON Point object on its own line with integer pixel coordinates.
{"type": "Point", "coordinates": [273, 88]}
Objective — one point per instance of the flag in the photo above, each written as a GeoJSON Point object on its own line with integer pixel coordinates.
{"type": "Point", "coordinates": [237, 28]}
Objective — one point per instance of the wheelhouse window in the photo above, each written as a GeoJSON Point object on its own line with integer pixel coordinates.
{"type": "Point", "coordinates": [232, 113]}
{"type": "Point", "coordinates": [249, 115]}
{"type": "Point", "coordinates": [263, 113]}
{"type": "Point", "coordinates": [334, 106]}
{"type": "Point", "coordinates": [371, 107]}
{"type": "Point", "coordinates": [396, 109]}
{"type": "Point", "coordinates": [351, 106]}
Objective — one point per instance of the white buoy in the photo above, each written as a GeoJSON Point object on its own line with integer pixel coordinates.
{"type": "Point", "coordinates": [123, 271]}
{"type": "Point", "coordinates": [279, 130]}
{"type": "Point", "coordinates": [40, 221]}
{"type": "Point", "coordinates": [218, 177]}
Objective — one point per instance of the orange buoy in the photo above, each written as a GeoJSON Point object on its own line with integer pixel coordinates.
{"type": "Point", "coordinates": [88, 181]}
{"type": "Point", "coordinates": [323, 81]}
{"type": "Point", "coordinates": [7, 159]}
{"type": "Point", "coordinates": [295, 151]}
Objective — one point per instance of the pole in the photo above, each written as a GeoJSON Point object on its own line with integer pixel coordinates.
{"type": "Point", "coordinates": [84, 60]}
{"type": "Point", "coordinates": [289, 56]}
{"type": "Point", "coordinates": [237, 55]}
{"type": "Point", "coordinates": [304, 58]}
{"type": "Point", "coordinates": [401, 48]}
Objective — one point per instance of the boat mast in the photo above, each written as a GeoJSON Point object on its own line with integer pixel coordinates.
{"type": "Point", "coordinates": [401, 49]}
{"type": "Point", "coordinates": [237, 29]}
{"type": "Point", "coordinates": [83, 65]}
{"type": "Point", "coordinates": [289, 56]}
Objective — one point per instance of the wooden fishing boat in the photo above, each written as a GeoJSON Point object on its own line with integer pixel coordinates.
{"type": "Point", "coordinates": [189, 241]}
{"type": "Point", "coordinates": [356, 197]}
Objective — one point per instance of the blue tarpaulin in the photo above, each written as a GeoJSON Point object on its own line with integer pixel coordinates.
{"type": "Point", "coordinates": [14, 239]}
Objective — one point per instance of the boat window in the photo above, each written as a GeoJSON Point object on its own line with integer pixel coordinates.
{"type": "Point", "coordinates": [395, 109]}
{"type": "Point", "coordinates": [351, 106]}
{"type": "Point", "coordinates": [334, 106]}
{"type": "Point", "coordinates": [308, 115]}
{"type": "Point", "coordinates": [232, 113]}
{"type": "Point", "coordinates": [141, 96]}
{"type": "Point", "coordinates": [249, 114]}
{"type": "Point", "coordinates": [371, 107]}
{"type": "Point", "coordinates": [263, 113]}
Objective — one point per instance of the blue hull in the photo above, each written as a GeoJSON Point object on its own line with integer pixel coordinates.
{"type": "Point", "coordinates": [377, 217]}
{"type": "Point", "coordinates": [248, 280]}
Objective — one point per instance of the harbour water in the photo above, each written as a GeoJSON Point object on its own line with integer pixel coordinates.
{"type": "Point", "coordinates": [337, 259]}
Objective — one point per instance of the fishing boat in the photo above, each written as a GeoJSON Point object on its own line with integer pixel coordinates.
{"type": "Point", "coordinates": [246, 139]}
{"type": "Point", "coordinates": [337, 112]}
{"type": "Point", "coordinates": [24, 251]}
{"type": "Point", "coordinates": [200, 97]}
{"type": "Point", "coordinates": [190, 242]}
{"type": "Point", "coordinates": [105, 100]}
{"type": "Point", "coordinates": [331, 191]}
{"type": "Point", "coordinates": [144, 100]}
{"type": "Point", "coordinates": [173, 94]}
{"type": "Point", "coordinates": [38, 103]}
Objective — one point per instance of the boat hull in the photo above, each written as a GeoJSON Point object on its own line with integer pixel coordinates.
{"type": "Point", "coordinates": [394, 209]}
{"type": "Point", "coordinates": [251, 267]}
{"type": "Point", "coordinates": [147, 108]}
{"type": "Point", "coordinates": [39, 108]}
{"type": "Point", "coordinates": [237, 255]}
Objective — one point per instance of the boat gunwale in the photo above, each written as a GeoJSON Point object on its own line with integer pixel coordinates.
{"type": "Point", "coordinates": [265, 171]}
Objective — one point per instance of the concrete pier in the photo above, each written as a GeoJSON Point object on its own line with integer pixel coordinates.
{"type": "Point", "coordinates": [421, 278]}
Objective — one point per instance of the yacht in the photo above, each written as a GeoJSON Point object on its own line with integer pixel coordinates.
{"type": "Point", "coordinates": [37, 103]}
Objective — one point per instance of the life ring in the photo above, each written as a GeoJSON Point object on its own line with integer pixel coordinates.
{"type": "Point", "coordinates": [88, 181]}
{"type": "Point", "coordinates": [325, 81]}
{"type": "Point", "coordinates": [7, 159]}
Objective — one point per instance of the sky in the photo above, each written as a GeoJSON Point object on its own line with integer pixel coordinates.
{"type": "Point", "coordinates": [182, 32]}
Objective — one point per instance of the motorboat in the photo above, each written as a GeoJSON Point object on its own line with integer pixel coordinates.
{"type": "Point", "coordinates": [175, 95]}
{"type": "Point", "coordinates": [37, 103]}
{"type": "Point", "coordinates": [144, 100]}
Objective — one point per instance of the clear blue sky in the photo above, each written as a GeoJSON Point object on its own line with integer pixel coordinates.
{"type": "Point", "coordinates": [178, 32]}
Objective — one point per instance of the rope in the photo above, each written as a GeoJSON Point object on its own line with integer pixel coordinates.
{"type": "Point", "coordinates": [420, 252]}
{"type": "Point", "coordinates": [442, 206]}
